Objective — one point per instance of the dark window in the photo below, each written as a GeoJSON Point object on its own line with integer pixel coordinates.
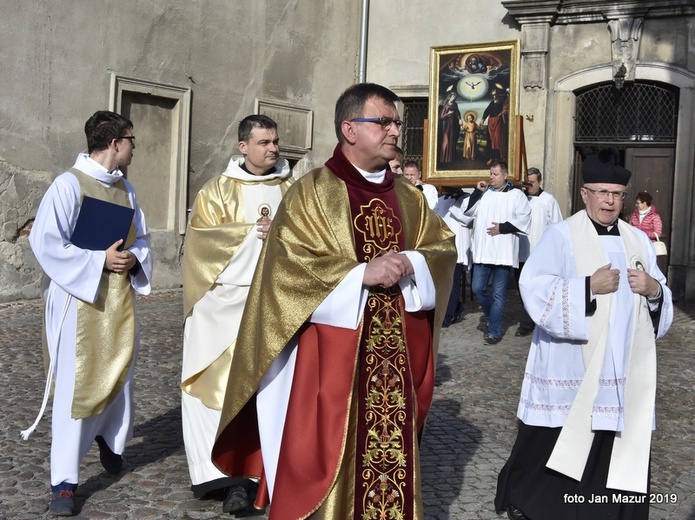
{"type": "Point", "coordinates": [640, 112]}
{"type": "Point", "coordinates": [414, 115]}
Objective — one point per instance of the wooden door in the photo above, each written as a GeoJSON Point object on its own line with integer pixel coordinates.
{"type": "Point", "coordinates": [652, 171]}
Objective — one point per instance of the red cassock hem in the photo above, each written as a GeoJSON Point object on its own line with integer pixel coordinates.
{"type": "Point", "coordinates": [237, 451]}
{"type": "Point", "coordinates": [313, 438]}
{"type": "Point", "coordinates": [317, 416]}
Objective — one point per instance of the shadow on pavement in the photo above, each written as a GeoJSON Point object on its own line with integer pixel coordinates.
{"type": "Point", "coordinates": [449, 445]}
{"type": "Point", "coordinates": [161, 437]}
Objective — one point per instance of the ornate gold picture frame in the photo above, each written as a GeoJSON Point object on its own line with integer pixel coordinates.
{"type": "Point", "coordinates": [472, 111]}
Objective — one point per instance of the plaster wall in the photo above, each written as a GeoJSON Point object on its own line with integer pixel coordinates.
{"type": "Point", "coordinates": [57, 61]}
{"type": "Point", "coordinates": [668, 40]}
{"type": "Point", "coordinates": [564, 57]}
{"type": "Point", "coordinates": [576, 47]}
{"type": "Point", "coordinates": [401, 34]}
{"type": "Point", "coordinates": [665, 55]}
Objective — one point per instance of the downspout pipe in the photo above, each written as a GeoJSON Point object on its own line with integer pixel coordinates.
{"type": "Point", "coordinates": [364, 29]}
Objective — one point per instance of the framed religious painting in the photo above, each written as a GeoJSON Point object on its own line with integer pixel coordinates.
{"type": "Point", "coordinates": [472, 111]}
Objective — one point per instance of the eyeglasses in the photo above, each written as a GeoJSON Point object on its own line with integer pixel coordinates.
{"type": "Point", "coordinates": [131, 138]}
{"type": "Point", "coordinates": [385, 122]}
{"type": "Point", "coordinates": [603, 194]}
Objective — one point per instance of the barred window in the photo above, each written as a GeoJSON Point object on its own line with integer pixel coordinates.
{"type": "Point", "coordinates": [637, 112]}
{"type": "Point", "coordinates": [414, 115]}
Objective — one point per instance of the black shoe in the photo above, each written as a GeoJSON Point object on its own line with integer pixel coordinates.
{"type": "Point", "coordinates": [63, 503]}
{"type": "Point", "coordinates": [491, 340]}
{"type": "Point", "coordinates": [514, 513]}
{"type": "Point", "coordinates": [112, 462]}
{"type": "Point", "coordinates": [523, 332]}
{"type": "Point", "coordinates": [447, 323]}
{"type": "Point", "coordinates": [251, 512]}
{"type": "Point", "coordinates": [236, 500]}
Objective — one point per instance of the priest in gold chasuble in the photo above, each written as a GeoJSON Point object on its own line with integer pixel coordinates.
{"type": "Point", "coordinates": [333, 372]}
{"type": "Point", "coordinates": [228, 224]}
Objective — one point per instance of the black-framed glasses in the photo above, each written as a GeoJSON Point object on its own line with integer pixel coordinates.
{"type": "Point", "coordinates": [131, 138]}
{"type": "Point", "coordinates": [603, 194]}
{"type": "Point", "coordinates": [385, 122]}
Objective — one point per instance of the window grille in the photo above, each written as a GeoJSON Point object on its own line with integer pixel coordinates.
{"type": "Point", "coordinates": [637, 112]}
{"type": "Point", "coordinates": [414, 115]}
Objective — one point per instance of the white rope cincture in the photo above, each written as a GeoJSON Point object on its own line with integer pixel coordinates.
{"type": "Point", "coordinates": [52, 352]}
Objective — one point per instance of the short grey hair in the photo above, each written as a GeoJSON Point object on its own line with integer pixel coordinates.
{"type": "Point", "coordinates": [535, 171]}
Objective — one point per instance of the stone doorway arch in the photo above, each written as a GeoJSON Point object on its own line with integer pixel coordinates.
{"type": "Point", "coordinates": [561, 155]}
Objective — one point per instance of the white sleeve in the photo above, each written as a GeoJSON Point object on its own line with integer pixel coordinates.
{"type": "Point", "coordinates": [521, 213]}
{"type": "Point", "coordinates": [456, 212]}
{"type": "Point", "coordinates": [141, 248]}
{"type": "Point", "coordinates": [555, 213]}
{"type": "Point", "coordinates": [666, 316]}
{"type": "Point", "coordinates": [431, 195]}
{"type": "Point", "coordinates": [77, 271]}
{"type": "Point", "coordinates": [554, 295]}
{"type": "Point", "coordinates": [344, 306]}
{"type": "Point", "coordinates": [418, 289]}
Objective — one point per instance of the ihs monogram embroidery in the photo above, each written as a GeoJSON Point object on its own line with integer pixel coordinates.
{"type": "Point", "coordinates": [379, 227]}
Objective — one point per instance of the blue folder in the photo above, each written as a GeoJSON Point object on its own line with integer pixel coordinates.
{"type": "Point", "coordinates": [100, 224]}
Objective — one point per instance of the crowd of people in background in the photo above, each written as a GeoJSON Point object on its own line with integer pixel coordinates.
{"type": "Point", "coordinates": [306, 298]}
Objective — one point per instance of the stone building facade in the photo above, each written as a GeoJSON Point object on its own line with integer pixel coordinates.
{"type": "Point", "coordinates": [186, 72]}
{"type": "Point", "coordinates": [573, 54]}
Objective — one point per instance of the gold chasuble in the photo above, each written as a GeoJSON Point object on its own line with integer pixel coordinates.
{"type": "Point", "coordinates": [359, 398]}
{"type": "Point", "coordinates": [105, 335]}
{"type": "Point", "coordinates": [218, 226]}
{"type": "Point", "coordinates": [217, 219]}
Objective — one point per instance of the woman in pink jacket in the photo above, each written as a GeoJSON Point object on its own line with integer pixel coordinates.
{"type": "Point", "coordinates": [645, 217]}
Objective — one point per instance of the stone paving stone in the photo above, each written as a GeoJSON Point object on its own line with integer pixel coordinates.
{"type": "Point", "coordinates": [468, 437]}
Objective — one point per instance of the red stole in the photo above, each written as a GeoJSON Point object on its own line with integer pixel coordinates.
{"type": "Point", "coordinates": [385, 417]}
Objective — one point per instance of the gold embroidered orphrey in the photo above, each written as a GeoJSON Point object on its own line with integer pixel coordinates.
{"type": "Point", "coordinates": [385, 454]}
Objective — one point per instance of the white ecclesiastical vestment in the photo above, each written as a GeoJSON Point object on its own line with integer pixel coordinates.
{"type": "Point", "coordinates": [554, 295]}
{"type": "Point", "coordinates": [343, 308]}
{"type": "Point", "coordinates": [71, 273]}
{"type": "Point", "coordinates": [449, 208]}
{"type": "Point", "coordinates": [212, 326]}
{"type": "Point", "coordinates": [431, 195]}
{"type": "Point", "coordinates": [499, 206]}
{"type": "Point", "coordinates": [544, 211]}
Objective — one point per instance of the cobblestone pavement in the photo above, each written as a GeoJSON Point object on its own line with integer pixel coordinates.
{"type": "Point", "coordinates": [469, 435]}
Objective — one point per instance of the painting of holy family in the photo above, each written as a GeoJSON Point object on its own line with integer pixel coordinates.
{"type": "Point", "coordinates": [472, 111]}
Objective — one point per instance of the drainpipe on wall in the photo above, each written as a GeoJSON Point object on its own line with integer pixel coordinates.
{"type": "Point", "coordinates": [362, 57]}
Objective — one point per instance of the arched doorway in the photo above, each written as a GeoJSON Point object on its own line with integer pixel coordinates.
{"type": "Point", "coordinates": [562, 159]}
{"type": "Point", "coordinates": [641, 121]}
